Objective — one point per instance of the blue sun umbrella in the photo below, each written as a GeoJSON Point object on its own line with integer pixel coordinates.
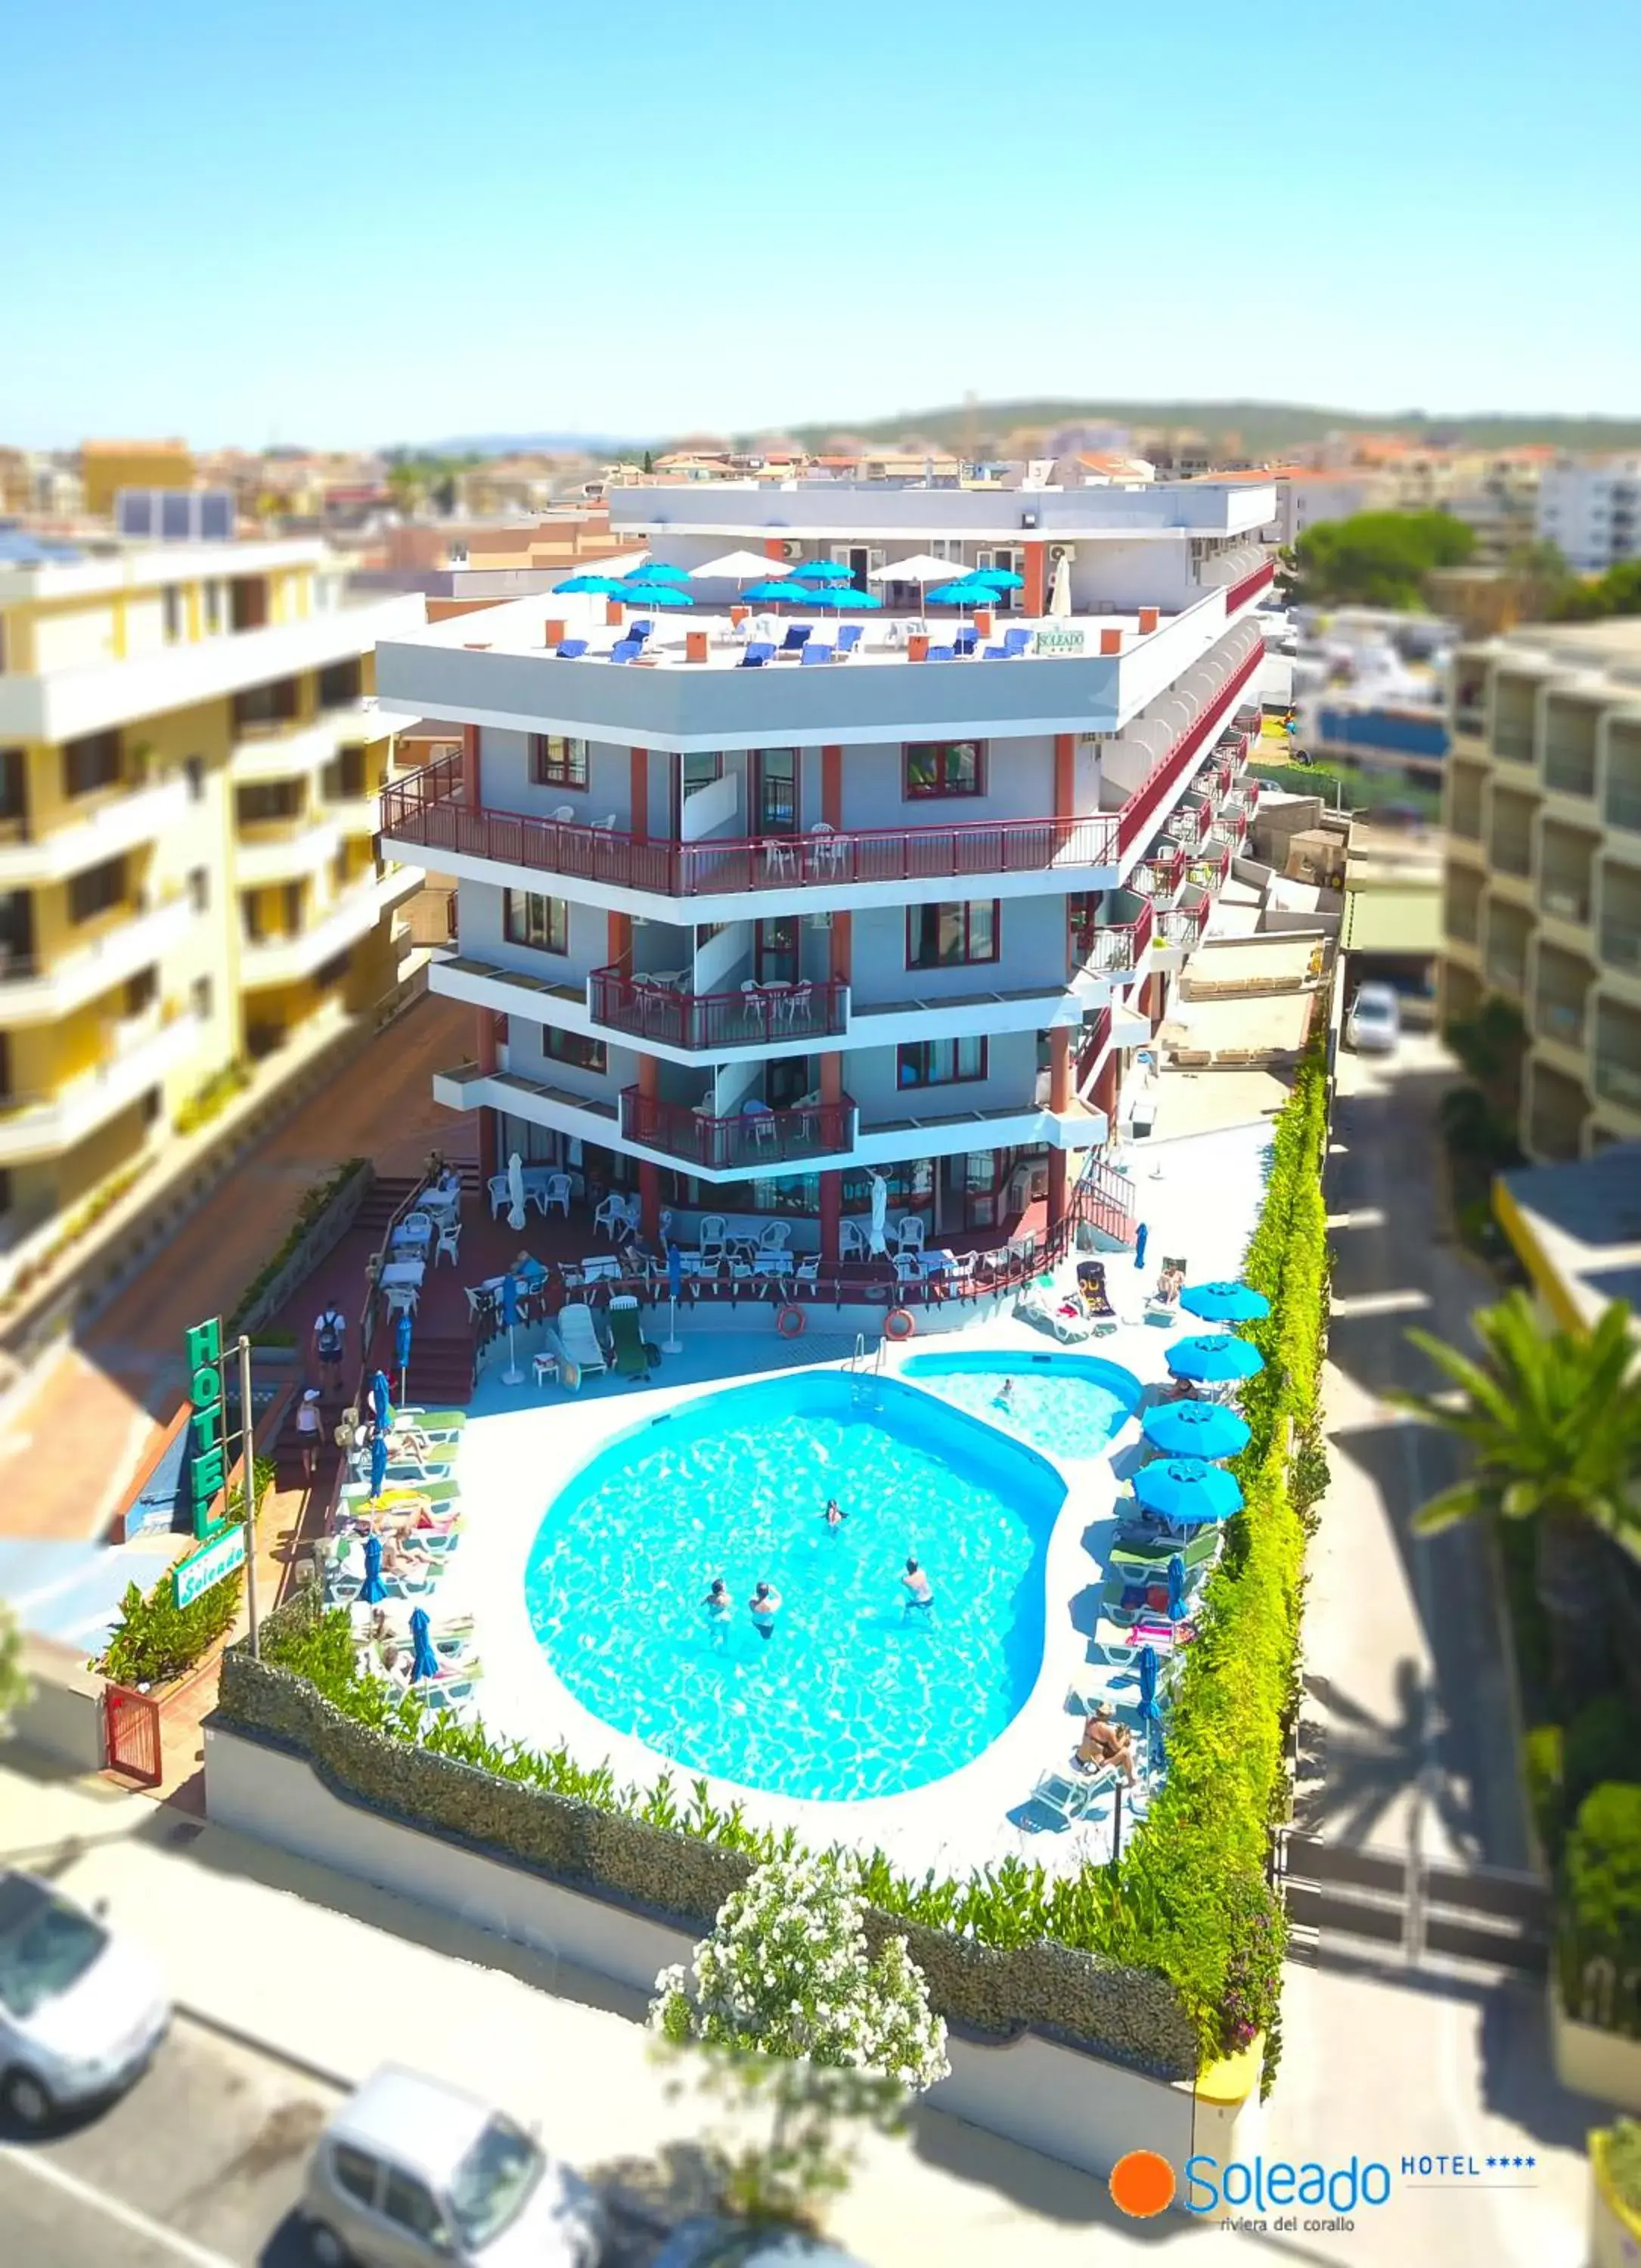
{"type": "Point", "coordinates": [373, 1590]}
{"type": "Point", "coordinates": [1150, 1711]}
{"type": "Point", "coordinates": [1213, 1361]}
{"type": "Point", "coordinates": [1189, 1491]}
{"type": "Point", "coordinates": [605, 586]}
{"type": "Point", "coordinates": [821, 571]}
{"type": "Point", "coordinates": [378, 1462]}
{"type": "Point", "coordinates": [844, 598]}
{"type": "Point", "coordinates": [675, 1272]}
{"type": "Point", "coordinates": [423, 1661]}
{"type": "Point", "coordinates": [654, 594]}
{"type": "Point", "coordinates": [962, 592]}
{"type": "Point", "coordinates": [999, 578]}
{"type": "Point", "coordinates": [655, 570]}
{"type": "Point", "coordinates": [1195, 1429]}
{"type": "Point", "coordinates": [402, 1346]}
{"type": "Point", "coordinates": [379, 1404]}
{"type": "Point", "coordinates": [775, 593]}
{"type": "Point", "coordinates": [1225, 1303]}
{"type": "Point", "coordinates": [1176, 1589]}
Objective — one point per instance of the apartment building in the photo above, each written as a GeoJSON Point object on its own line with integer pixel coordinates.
{"type": "Point", "coordinates": [108, 466]}
{"type": "Point", "coordinates": [738, 938]}
{"type": "Point", "coordinates": [1544, 884]}
{"type": "Point", "coordinates": [1590, 508]}
{"type": "Point", "coordinates": [190, 759]}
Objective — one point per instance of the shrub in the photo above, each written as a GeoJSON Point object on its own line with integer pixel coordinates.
{"type": "Point", "coordinates": [1621, 2146]}
{"type": "Point", "coordinates": [1601, 1912]}
{"type": "Point", "coordinates": [1602, 1744]}
{"type": "Point", "coordinates": [209, 1099]}
{"type": "Point", "coordinates": [154, 1638]}
{"type": "Point", "coordinates": [314, 1204]}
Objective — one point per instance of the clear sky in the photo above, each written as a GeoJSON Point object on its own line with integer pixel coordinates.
{"type": "Point", "coordinates": [345, 222]}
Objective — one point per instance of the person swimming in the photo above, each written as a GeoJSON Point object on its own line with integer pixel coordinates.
{"type": "Point", "coordinates": [834, 1515]}
{"type": "Point", "coordinates": [919, 1590]}
{"type": "Point", "coordinates": [764, 1605]}
{"type": "Point", "coordinates": [1005, 1394]}
{"type": "Point", "coordinates": [717, 1601]}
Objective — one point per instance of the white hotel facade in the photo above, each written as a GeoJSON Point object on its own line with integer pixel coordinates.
{"type": "Point", "coordinates": [959, 888]}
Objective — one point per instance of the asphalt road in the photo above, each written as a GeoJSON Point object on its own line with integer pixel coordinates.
{"type": "Point", "coordinates": [198, 2166]}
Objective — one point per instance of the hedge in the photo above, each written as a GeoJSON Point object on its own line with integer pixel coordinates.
{"type": "Point", "coordinates": [1598, 1921]}
{"type": "Point", "coordinates": [314, 1202]}
{"type": "Point", "coordinates": [155, 1640]}
{"type": "Point", "coordinates": [1165, 1963]}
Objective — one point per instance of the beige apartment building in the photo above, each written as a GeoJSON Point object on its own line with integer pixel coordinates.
{"type": "Point", "coordinates": [1542, 900]}
{"type": "Point", "coordinates": [190, 755]}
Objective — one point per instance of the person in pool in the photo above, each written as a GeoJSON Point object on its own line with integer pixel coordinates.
{"type": "Point", "coordinates": [717, 1601]}
{"type": "Point", "coordinates": [919, 1590]}
{"type": "Point", "coordinates": [834, 1515]}
{"type": "Point", "coordinates": [1005, 1394]}
{"type": "Point", "coordinates": [764, 1605]}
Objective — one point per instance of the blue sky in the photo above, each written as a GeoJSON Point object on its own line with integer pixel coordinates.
{"type": "Point", "coordinates": [355, 222]}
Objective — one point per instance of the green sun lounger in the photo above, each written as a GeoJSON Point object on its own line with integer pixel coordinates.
{"type": "Point", "coordinates": [627, 1338]}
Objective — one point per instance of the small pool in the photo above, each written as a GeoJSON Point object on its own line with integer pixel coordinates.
{"type": "Point", "coordinates": [1068, 1405]}
{"type": "Point", "coordinates": [853, 1695]}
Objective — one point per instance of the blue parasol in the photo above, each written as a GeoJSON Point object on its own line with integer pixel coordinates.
{"type": "Point", "coordinates": [509, 1301]}
{"type": "Point", "coordinates": [378, 1462]}
{"type": "Point", "coordinates": [1225, 1303]}
{"type": "Point", "coordinates": [1213, 1361]}
{"type": "Point", "coordinates": [821, 571]}
{"type": "Point", "coordinates": [591, 586]}
{"type": "Point", "coordinates": [1195, 1429]}
{"type": "Point", "coordinates": [964, 593]}
{"type": "Point", "coordinates": [998, 578]}
{"type": "Point", "coordinates": [655, 570]}
{"type": "Point", "coordinates": [775, 593]}
{"type": "Point", "coordinates": [401, 1347]}
{"type": "Point", "coordinates": [1140, 1238]}
{"type": "Point", "coordinates": [379, 1405]}
{"type": "Point", "coordinates": [423, 1661]}
{"type": "Point", "coordinates": [656, 594]}
{"type": "Point", "coordinates": [844, 598]}
{"type": "Point", "coordinates": [1176, 1589]}
{"type": "Point", "coordinates": [1151, 1713]}
{"type": "Point", "coordinates": [675, 1272]}
{"type": "Point", "coordinates": [373, 1590]}
{"type": "Point", "coordinates": [1188, 1491]}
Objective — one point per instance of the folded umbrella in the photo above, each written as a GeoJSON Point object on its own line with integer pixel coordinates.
{"type": "Point", "coordinates": [373, 1590]}
{"type": "Point", "coordinates": [423, 1661]}
{"type": "Point", "coordinates": [1176, 1589]}
{"type": "Point", "coordinates": [377, 1463]}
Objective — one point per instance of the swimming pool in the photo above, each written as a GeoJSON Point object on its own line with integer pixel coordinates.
{"type": "Point", "coordinates": [853, 1695]}
{"type": "Point", "coordinates": [1068, 1405]}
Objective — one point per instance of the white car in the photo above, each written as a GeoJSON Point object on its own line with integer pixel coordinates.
{"type": "Point", "coordinates": [410, 2169]}
{"type": "Point", "coordinates": [80, 2013]}
{"type": "Point", "coordinates": [1374, 1025]}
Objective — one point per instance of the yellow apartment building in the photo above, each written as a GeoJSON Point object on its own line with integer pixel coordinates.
{"type": "Point", "coordinates": [1542, 894]}
{"type": "Point", "coordinates": [108, 466]}
{"type": "Point", "coordinates": [189, 758]}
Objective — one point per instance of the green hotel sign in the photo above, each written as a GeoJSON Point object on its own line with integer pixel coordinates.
{"type": "Point", "coordinates": [219, 1557]}
{"type": "Point", "coordinates": [208, 1474]}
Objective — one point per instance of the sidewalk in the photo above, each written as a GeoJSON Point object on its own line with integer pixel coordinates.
{"type": "Point", "coordinates": [337, 1976]}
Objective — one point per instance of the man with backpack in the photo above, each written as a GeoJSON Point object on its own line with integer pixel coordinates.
{"type": "Point", "coordinates": [331, 1337]}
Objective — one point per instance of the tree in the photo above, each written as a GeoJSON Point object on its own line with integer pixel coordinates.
{"type": "Point", "coordinates": [1490, 1044]}
{"type": "Point", "coordinates": [15, 1689]}
{"type": "Point", "coordinates": [649, 462]}
{"type": "Point", "coordinates": [1553, 1419]}
{"type": "Point", "coordinates": [405, 486]}
{"type": "Point", "coordinates": [1378, 558]}
{"type": "Point", "coordinates": [797, 2016]}
{"type": "Point", "coordinates": [1618, 592]}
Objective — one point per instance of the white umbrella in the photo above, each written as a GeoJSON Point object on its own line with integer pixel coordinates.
{"type": "Point", "coordinates": [921, 567]}
{"type": "Point", "coordinates": [1059, 599]}
{"type": "Point", "coordinates": [880, 1214]}
{"type": "Point", "coordinates": [515, 1190]}
{"type": "Point", "coordinates": [737, 567]}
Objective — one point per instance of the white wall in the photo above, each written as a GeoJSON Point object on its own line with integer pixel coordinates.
{"type": "Point", "coordinates": [81, 640]}
{"type": "Point", "coordinates": [1019, 776]}
{"type": "Point", "coordinates": [1010, 1083]}
{"type": "Point", "coordinates": [1033, 940]}
{"type": "Point", "coordinates": [145, 624]}
{"type": "Point", "coordinates": [480, 914]}
{"type": "Point", "coordinates": [504, 777]}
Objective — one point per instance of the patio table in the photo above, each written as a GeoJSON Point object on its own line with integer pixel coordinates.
{"type": "Point", "coordinates": [399, 1272]}
{"type": "Point", "coordinates": [411, 1236]}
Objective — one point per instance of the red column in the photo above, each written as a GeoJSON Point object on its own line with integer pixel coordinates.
{"type": "Point", "coordinates": [831, 786]}
{"type": "Point", "coordinates": [484, 1054]}
{"type": "Point", "coordinates": [842, 946]}
{"type": "Point", "coordinates": [638, 826]}
{"type": "Point", "coordinates": [1106, 1086]}
{"type": "Point", "coordinates": [774, 548]}
{"type": "Point", "coordinates": [1059, 1068]}
{"type": "Point", "coordinates": [1056, 1188]}
{"type": "Point", "coordinates": [1065, 775]}
{"type": "Point", "coordinates": [619, 940]}
{"type": "Point", "coordinates": [1034, 598]}
{"type": "Point", "coordinates": [472, 776]}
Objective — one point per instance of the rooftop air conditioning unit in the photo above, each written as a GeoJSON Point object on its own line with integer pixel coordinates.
{"type": "Point", "coordinates": [790, 549]}
{"type": "Point", "coordinates": [1059, 551]}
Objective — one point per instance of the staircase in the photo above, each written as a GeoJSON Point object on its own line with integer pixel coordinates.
{"type": "Point", "coordinates": [381, 1201]}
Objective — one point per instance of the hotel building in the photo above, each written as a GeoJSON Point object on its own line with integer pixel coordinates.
{"type": "Point", "coordinates": [190, 759]}
{"type": "Point", "coordinates": [735, 938]}
{"type": "Point", "coordinates": [1542, 902]}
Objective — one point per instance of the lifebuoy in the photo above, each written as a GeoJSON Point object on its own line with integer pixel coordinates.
{"type": "Point", "coordinates": [789, 1322]}
{"type": "Point", "coordinates": [899, 1323]}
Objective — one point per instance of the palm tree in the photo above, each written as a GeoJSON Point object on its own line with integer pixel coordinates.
{"type": "Point", "coordinates": [1553, 1419]}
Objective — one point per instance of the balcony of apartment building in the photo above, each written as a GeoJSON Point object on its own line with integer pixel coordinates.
{"type": "Point", "coordinates": [80, 806]}
{"type": "Point", "coordinates": [63, 946]}
{"type": "Point", "coordinates": [1557, 1008]}
{"type": "Point", "coordinates": [348, 791]}
{"type": "Point", "coordinates": [281, 835]}
{"type": "Point", "coordinates": [136, 1051]}
{"type": "Point", "coordinates": [1507, 932]}
{"type": "Point", "coordinates": [293, 726]}
{"type": "Point", "coordinates": [1464, 895]}
{"type": "Point", "coordinates": [1469, 683]}
{"type": "Point", "coordinates": [1514, 739]}
{"type": "Point", "coordinates": [1556, 1112]}
{"type": "Point", "coordinates": [1566, 861]}
{"type": "Point", "coordinates": [1568, 749]}
{"type": "Point", "coordinates": [1621, 801]}
{"type": "Point", "coordinates": [290, 930]}
{"type": "Point", "coordinates": [1618, 935]}
{"type": "Point", "coordinates": [1509, 838]}
{"type": "Point", "coordinates": [1467, 785]}
{"type": "Point", "coordinates": [1615, 1059]}
{"type": "Point", "coordinates": [1179, 928]}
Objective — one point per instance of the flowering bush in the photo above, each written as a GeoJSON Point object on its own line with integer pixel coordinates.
{"type": "Point", "coordinates": [795, 2013]}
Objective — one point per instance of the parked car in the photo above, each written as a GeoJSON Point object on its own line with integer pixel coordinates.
{"type": "Point", "coordinates": [81, 2012]}
{"type": "Point", "coordinates": [411, 2169]}
{"type": "Point", "coordinates": [1373, 1026]}
{"type": "Point", "coordinates": [712, 2242]}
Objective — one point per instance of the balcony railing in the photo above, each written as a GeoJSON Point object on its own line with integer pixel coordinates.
{"type": "Point", "coordinates": [1621, 945]}
{"type": "Point", "coordinates": [742, 1143]}
{"type": "Point", "coordinates": [1161, 876]}
{"type": "Point", "coordinates": [1181, 925]}
{"type": "Point", "coordinates": [423, 810]}
{"type": "Point", "coordinates": [1623, 805]}
{"type": "Point", "coordinates": [1515, 746]}
{"type": "Point", "coordinates": [645, 1010]}
{"type": "Point", "coordinates": [1567, 902]}
{"type": "Point", "coordinates": [1094, 1044]}
{"type": "Point", "coordinates": [1117, 945]}
{"type": "Point", "coordinates": [1559, 1019]}
{"type": "Point", "coordinates": [1617, 1083]}
{"type": "Point", "coordinates": [1139, 813]}
{"type": "Point", "coordinates": [1570, 772]}
{"type": "Point", "coordinates": [1251, 585]}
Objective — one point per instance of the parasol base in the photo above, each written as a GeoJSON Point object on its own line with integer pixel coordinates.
{"type": "Point", "coordinates": [513, 1378]}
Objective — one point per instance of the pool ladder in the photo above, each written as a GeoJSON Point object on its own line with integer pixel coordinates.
{"type": "Point", "coordinates": [865, 1369]}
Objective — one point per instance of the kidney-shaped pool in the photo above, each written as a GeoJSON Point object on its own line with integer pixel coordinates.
{"type": "Point", "coordinates": [854, 1694]}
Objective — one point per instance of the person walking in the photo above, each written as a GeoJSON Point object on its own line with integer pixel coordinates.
{"type": "Point", "coordinates": [330, 1337]}
{"type": "Point", "coordinates": [308, 1433]}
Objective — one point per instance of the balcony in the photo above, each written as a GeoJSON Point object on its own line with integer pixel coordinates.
{"type": "Point", "coordinates": [286, 957]}
{"type": "Point", "coordinates": [1117, 948]}
{"type": "Point", "coordinates": [749, 1142]}
{"type": "Point", "coordinates": [1558, 1018]}
{"type": "Point", "coordinates": [1565, 900]}
{"type": "Point", "coordinates": [1251, 586]}
{"type": "Point", "coordinates": [1621, 945]}
{"type": "Point", "coordinates": [1512, 745]}
{"type": "Point", "coordinates": [33, 990]}
{"type": "Point", "coordinates": [1570, 772]}
{"type": "Point", "coordinates": [1623, 806]}
{"type": "Point", "coordinates": [122, 819]}
{"type": "Point", "coordinates": [1161, 876]}
{"type": "Point", "coordinates": [262, 754]}
{"type": "Point", "coordinates": [709, 1023]}
{"type": "Point", "coordinates": [283, 849]}
{"type": "Point", "coordinates": [142, 1052]}
{"type": "Point", "coordinates": [1618, 1083]}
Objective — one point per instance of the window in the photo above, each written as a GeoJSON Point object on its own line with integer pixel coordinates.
{"type": "Point", "coordinates": [194, 773]}
{"type": "Point", "coordinates": [940, 1063]}
{"type": "Point", "coordinates": [91, 763]}
{"type": "Point", "coordinates": [543, 924]}
{"type": "Point", "coordinates": [171, 598]}
{"type": "Point", "coordinates": [199, 992]}
{"type": "Point", "coordinates": [213, 607]}
{"type": "Point", "coordinates": [97, 888]}
{"type": "Point", "coordinates": [948, 936]}
{"type": "Point", "coordinates": [13, 784]}
{"type": "Point", "coordinates": [273, 800]}
{"type": "Point", "coordinates": [339, 684]}
{"type": "Point", "coordinates": [942, 768]}
{"type": "Point", "coordinates": [574, 1047]}
{"type": "Point", "coordinates": [354, 2173]}
{"type": "Point", "coordinates": [141, 991]}
{"type": "Point", "coordinates": [556, 761]}
{"type": "Point", "coordinates": [344, 781]}
{"type": "Point", "coordinates": [699, 771]}
{"type": "Point", "coordinates": [199, 889]}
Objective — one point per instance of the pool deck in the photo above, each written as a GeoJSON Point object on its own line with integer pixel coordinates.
{"type": "Point", "coordinates": [1199, 1198]}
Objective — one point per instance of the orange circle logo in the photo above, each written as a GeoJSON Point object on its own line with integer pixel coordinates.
{"type": "Point", "coordinates": [1143, 2184]}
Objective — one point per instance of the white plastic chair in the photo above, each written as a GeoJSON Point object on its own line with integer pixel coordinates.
{"type": "Point", "coordinates": [611, 1217]}
{"type": "Point", "coordinates": [774, 1236]}
{"type": "Point", "coordinates": [402, 1298]}
{"type": "Point", "coordinates": [555, 1190]}
{"type": "Point", "coordinates": [449, 1244]}
{"type": "Point", "coordinates": [606, 825]}
{"type": "Point", "coordinates": [853, 1243]}
{"type": "Point", "coordinates": [909, 1236]}
{"type": "Point", "coordinates": [714, 1239]}
{"type": "Point", "coordinates": [500, 1193]}
{"type": "Point", "coordinates": [795, 1008]}
{"type": "Point", "coordinates": [826, 852]}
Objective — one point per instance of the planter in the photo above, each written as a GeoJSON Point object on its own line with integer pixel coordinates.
{"type": "Point", "coordinates": [1615, 2226]}
{"type": "Point", "coordinates": [319, 1240]}
{"type": "Point", "coordinates": [1594, 2062]}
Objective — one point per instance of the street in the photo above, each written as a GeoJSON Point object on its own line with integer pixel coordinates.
{"type": "Point", "coordinates": [200, 2163]}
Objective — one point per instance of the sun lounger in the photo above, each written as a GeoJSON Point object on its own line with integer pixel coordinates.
{"type": "Point", "coordinates": [1016, 641]}
{"type": "Point", "coordinates": [570, 649]}
{"type": "Point", "coordinates": [816, 653]}
{"type": "Point", "coordinates": [626, 649]}
{"type": "Point", "coordinates": [578, 1334]}
{"type": "Point", "coordinates": [631, 1354]}
{"type": "Point", "coordinates": [1096, 1299]}
{"type": "Point", "coordinates": [1126, 1595]}
{"type": "Point", "coordinates": [431, 1421]}
{"type": "Point", "coordinates": [439, 1495]}
{"type": "Point", "coordinates": [797, 637]}
{"type": "Point", "coordinates": [1066, 1795]}
{"type": "Point", "coordinates": [963, 643]}
{"type": "Point", "coordinates": [942, 653]}
{"type": "Point", "coordinates": [640, 630]}
{"type": "Point", "coordinates": [756, 654]}
{"type": "Point", "coordinates": [848, 639]}
{"type": "Point", "coordinates": [1052, 1312]}
{"type": "Point", "coordinates": [1200, 1550]}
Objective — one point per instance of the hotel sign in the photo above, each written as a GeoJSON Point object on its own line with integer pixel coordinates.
{"type": "Point", "coordinates": [208, 1474]}
{"type": "Point", "coordinates": [219, 1557]}
{"type": "Point", "coordinates": [1058, 639]}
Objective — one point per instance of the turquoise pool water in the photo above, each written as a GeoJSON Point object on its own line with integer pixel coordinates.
{"type": "Point", "coordinates": [852, 1696]}
{"type": "Point", "coordinates": [1068, 1405]}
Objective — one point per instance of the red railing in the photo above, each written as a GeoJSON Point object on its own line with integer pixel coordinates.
{"type": "Point", "coordinates": [1190, 822]}
{"type": "Point", "coordinates": [1093, 1047]}
{"type": "Point", "coordinates": [742, 1143]}
{"type": "Point", "coordinates": [647, 1011]}
{"type": "Point", "coordinates": [1139, 813]}
{"type": "Point", "coordinates": [1161, 875]}
{"type": "Point", "coordinates": [1217, 863]}
{"type": "Point", "coordinates": [1251, 585]}
{"type": "Point", "coordinates": [423, 810]}
{"type": "Point", "coordinates": [1118, 945]}
{"type": "Point", "coordinates": [1181, 925]}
